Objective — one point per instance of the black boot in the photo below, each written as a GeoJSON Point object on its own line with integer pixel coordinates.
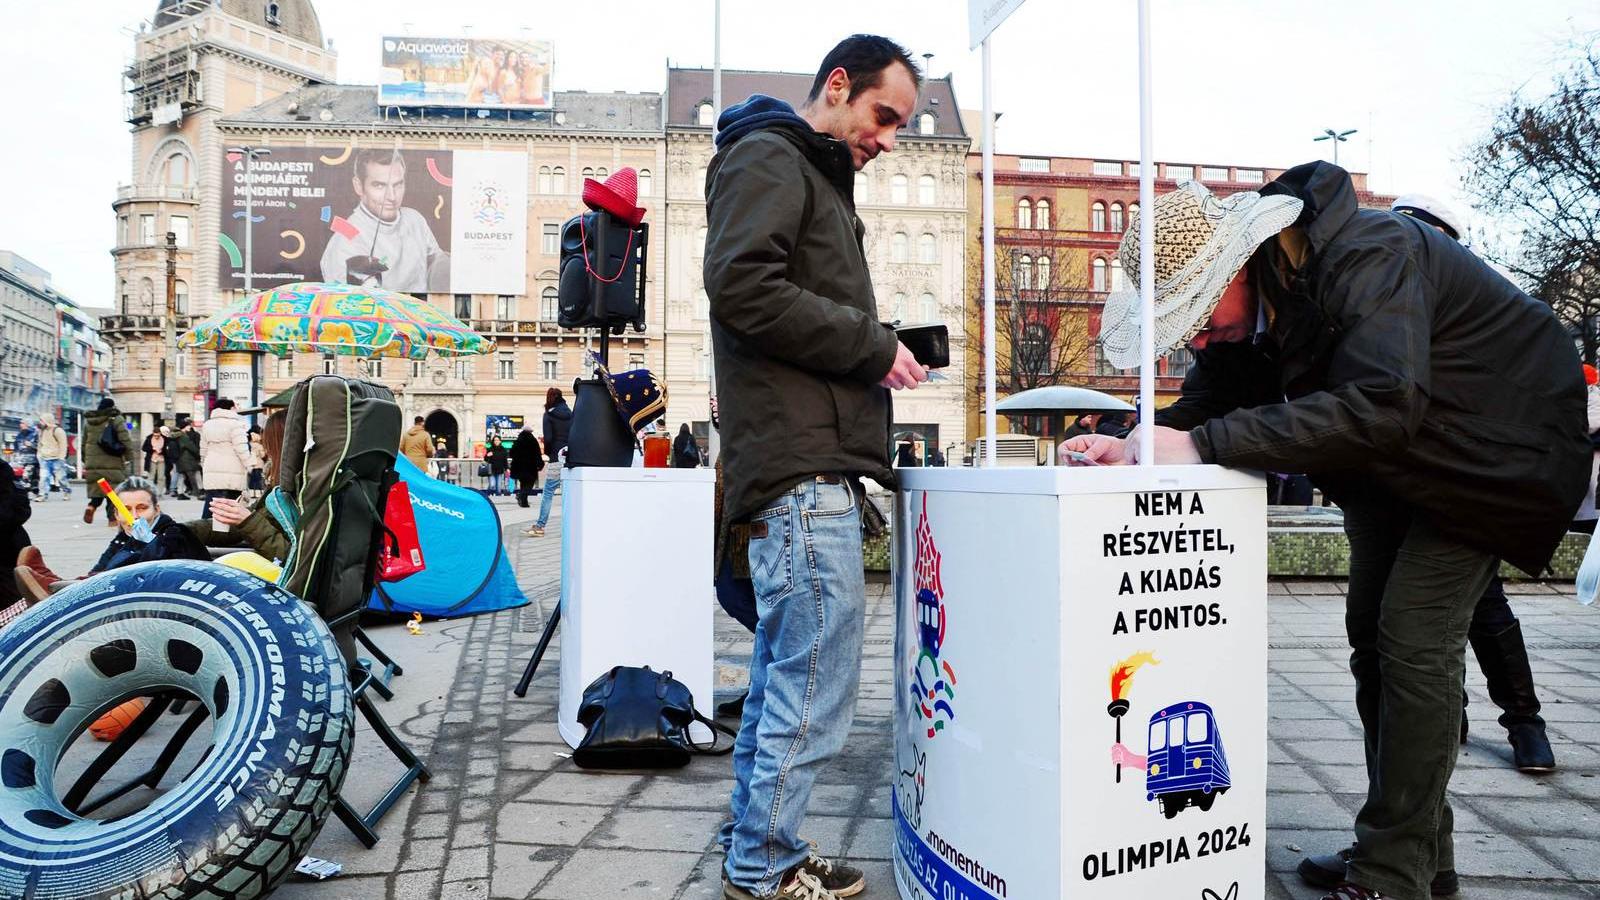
{"type": "Point", "coordinates": [1328, 871]}
{"type": "Point", "coordinates": [1504, 660]}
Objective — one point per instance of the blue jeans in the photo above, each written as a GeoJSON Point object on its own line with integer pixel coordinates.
{"type": "Point", "coordinates": [552, 482]}
{"type": "Point", "coordinates": [494, 484]}
{"type": "Point", "coordinates": [55, 474]}
{"type": "Point", "coordinates": [805, 559]}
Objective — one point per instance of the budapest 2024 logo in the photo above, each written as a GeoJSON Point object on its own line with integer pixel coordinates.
{"type": "Point", "coordinates": [933, 679]}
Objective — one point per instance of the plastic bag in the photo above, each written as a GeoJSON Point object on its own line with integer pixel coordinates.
{"type": "Point", "coordinates": [1589, 573]}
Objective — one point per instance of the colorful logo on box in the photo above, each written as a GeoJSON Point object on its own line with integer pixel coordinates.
{"type": "Point", "coordinates": [933, 679]}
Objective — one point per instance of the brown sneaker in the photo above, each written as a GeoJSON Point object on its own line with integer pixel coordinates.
{"type": "Point", "coordinates": [88, 515]}
{"type": "Point", "coordinates": [842, 880]}
{"type": "Point", "coordinates": [799, 884]}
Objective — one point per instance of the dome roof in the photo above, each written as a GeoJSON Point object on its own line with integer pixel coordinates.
{"type": "Point", "coordinates": [294, 18]}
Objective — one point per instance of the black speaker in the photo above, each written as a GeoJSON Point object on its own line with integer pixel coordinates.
{"type": "Point", "coordinates": [602, 280]}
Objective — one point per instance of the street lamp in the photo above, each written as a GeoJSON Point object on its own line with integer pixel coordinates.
{"type": "Point", "coordinates": [250, 154]}
{"type": "Point", "coordinates": [1338, 137]}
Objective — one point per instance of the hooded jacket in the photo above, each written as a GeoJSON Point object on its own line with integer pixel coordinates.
{"type": "Point", "coordinates": [794, 324]}
{"type": "Point", "coordinates": [417, 446]}
{"type": "Point", "coordinates": [1399, 361]}
{"type": "Point", "coordinates": [52, 440]}
{"type": "Point", "coordinates": [97, 463]}
{"type": "Point", "coordinates": [557, 426]}
{"type": "Point", "coordinates": [225, 452]}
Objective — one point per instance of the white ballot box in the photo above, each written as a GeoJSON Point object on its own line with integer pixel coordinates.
{"type": "Point", "coordinates": [1080, 684]}
{"type": "Point", "coordinates": [636, 581]}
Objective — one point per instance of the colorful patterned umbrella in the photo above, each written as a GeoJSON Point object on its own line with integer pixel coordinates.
{"type": "Point", "coordinates": [315, 317]}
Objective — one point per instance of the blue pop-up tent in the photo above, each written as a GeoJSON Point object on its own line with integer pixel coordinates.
{"type": "Point", "coordinates": [467, 571]}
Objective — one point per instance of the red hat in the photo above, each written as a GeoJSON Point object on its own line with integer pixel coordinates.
{"type": "Point", "coordinates": [618, 195]}
{"type": "Point", "coordinates": [1589, 374]}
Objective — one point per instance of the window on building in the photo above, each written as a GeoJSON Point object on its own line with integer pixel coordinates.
{"type": "Point", "coordinates": [1116, 275]}
{"type": "Point", "coordinates": [899, 313]}
{"type": "Point", "coordinates": [330, 365]}
{"type": "Point", "coordinates": [1180, 173]}
{"type": "Point", "coordinates": [588, 172]}
{"type": "Point", "coordinates": [1179, 361]}
{"type": "Point", "coordinates": [862, 188]}
{"type": "Point", "coordinates": [183, 363]}
{"type": "Point", "coordinates": [699, 248]}
{"type": "Point", "coordinates": [463, 370]}
{"type": "Point", "coordinates": [180, 295]}
{"type": "Point", "coordinates": [549, 305]}
{"type": "Point", "coordinates": [177, 170]}
{"type": "Point", "coordinates": [1105, 168]}
{"type": "Point", "coordinates": [375, 368]}
{"type": "Point", "coordinates": [1041, 215]}
{"type": "Point", "coordinates": [179, 226]}
{"type": "Point", "coordinates": [702, 305]}
{"type": "Point", "coordinates": [506, 366]}
{"type": "Point", "coordinates": [899, 190]}
{"type": "Point", "coordinates": [1025, 273]}
{"type": "Point", "coordinates": [1116, 217]}
{"type": "Point", "coordinates": [635, 360]}
{"type": "Point", "coordinates": [703, 364]}
{"type": "Point", "coordinates": [1133, 210]}
{"type": "Point", "coordinates": [928, 308]}
{"type": "Point", "coordinates": [645, 181]}
{"type": "Point", "coordinates": [601, 173]}
{"type": "Point", "coordinates": [558, 180]}
{"type": "Point", "coordinates": [550, 242]}
{"type": "Point", "coordinates": [899, 247]}
{"type": "Point", "coordinates": [544, 179]}
{"type": "Point", "coordinates": [122, 291]}
{"type": "Point", "coordinates": [705, 114]}
{"type": "Point", "coordinates": [549, 369]}
{"type": "Point", "coordinates": [505, 307]}
{"type": "Point", "coordinates": [122, 231]}
{"type": "Point", "coordinates": [416, 369]}
{"type": "Point", "coordinates": [927, 190]}
{"type": "Point", "coordinates": [1033, 164]}
{"type": "Point", "coordinates": [285, 367]}
{"type": "Point", "coordinates": [1097, 280]}
{"type": "Point", "coordinates": [700, 181]}
{"type": "Point", "coordinates": [927, 248]}
{"type": "Point", "coordinates": [1024, 213]}
{"type": "Point", "coordinates": [926, 123]}
{"type": "Point", "coordinates": [1102, 365]}
{"type": "Point", "coordinates": [122, 365]}
{"type": "Point", "coordinates": [1043, 264]}
{"type": "Point", "coordinates": [147, 297]}
{"type": "Point", "coordinates": [1250, 176]}
{"type": "Point", "coordinates": [147, 229]}
{"type": "Point", "coordinates": [1097, 216]}
{"type": "Point", "coordinates": [464, 307]}
{"type": "Point", "coordinates": [1213, 173]}
{"type": "Point", "coordinates": [1032, 354]}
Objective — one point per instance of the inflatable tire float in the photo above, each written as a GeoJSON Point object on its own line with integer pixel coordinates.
{"type": "Point", "coordinates": [282, 723]}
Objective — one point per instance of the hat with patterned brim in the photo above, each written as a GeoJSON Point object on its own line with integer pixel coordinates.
{"type": "Point", "coordinates": [1202, 241]}
{"type": "Point", "coordinates": [639, 395]}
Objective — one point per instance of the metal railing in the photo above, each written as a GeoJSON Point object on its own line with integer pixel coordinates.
{"type": "Point", "coordinates": [157, 192]}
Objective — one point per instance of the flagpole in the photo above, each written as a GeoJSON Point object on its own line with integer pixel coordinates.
{"type": "Point", "coordinates": [1147, 253]}
{"type": "Point", "coordinates": [714, 437]}
{"type": "Point", "coordinates": [989, 350]}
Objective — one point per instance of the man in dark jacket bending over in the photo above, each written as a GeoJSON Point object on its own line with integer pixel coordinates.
{"type": "Point", "coordinates": [1439, 406]}
{"type": "Point", "coordinates": [803, 368]}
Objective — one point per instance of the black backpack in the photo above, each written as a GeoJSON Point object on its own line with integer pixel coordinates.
{"type": "Point", "coordinates": [639, 719]}
{"type": "Point", "coordinates": [110, 440]}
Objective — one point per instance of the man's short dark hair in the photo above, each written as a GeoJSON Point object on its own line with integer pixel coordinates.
{"type": "Point", "coordinates": [365, 158]}
{"type": "Point", "coordinates": [417, 420]}
{"type": "Point", "coordinates": [225, 403]}
{"type": "Point", "coordinates": [863, 57]}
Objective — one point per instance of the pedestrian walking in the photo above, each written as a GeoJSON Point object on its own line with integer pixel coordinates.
{"type": "Point", "coordinates": [188, 441]}
{"type": "Point", "coordinates": [53, 457]}
{"type": "Point", "coordinates": [686, 450]}
{"type": "Point", "coordinates": [108, 452]}
{"type": "Point", "coordinates": [557, 425]}
{"type": "Point", "coordinates": [155, 457]}
{"type": "Point", "coordinates": [803, 372]}
{"type": "Point", "coordinates": [496, 458]}
{"type": "Point", "coordinates": [224, 455]}
{"type": "Point", "coordinates": [1438, 405]}
{"type": "Point", "coordinates": [526, 463]}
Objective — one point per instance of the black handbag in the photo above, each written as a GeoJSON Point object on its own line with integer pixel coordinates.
{"type": "Point", "coordinates": [639, 719]}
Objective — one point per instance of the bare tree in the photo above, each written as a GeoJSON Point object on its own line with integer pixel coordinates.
{"type": "Point", "coordinates": [1538, 172]}
{"type": "Point", "coordinates": [1042, 306]}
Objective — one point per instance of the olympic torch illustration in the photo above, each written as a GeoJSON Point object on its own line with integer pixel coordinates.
{"type": "Point", "coordinates": [1121, 681]}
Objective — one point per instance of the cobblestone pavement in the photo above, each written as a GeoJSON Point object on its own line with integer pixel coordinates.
{"type": "Point", "coordinates": [507, 815]}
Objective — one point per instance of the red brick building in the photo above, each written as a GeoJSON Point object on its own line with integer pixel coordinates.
{"type": "Point", "coordinates": [1058, 224]}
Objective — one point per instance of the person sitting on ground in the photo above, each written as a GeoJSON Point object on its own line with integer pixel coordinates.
{"type": "Point", "coordinates": [153, 535]}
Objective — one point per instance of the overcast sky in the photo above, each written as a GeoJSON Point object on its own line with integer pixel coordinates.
{"type": "Point", "coordinates": [1246, 82]}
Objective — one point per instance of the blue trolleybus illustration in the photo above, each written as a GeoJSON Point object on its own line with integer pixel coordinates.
{"type": "Point", "coordinates": [1186, 765]}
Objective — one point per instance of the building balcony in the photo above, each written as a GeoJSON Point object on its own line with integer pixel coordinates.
{"type": "Point", "coordinates": [544, 328]}
{"type": "Point", "coordinates": [132, 326]}
{"type": "Point", "coordinates": [154, 193]}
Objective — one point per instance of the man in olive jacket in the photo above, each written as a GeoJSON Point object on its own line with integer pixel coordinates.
{"type": "Point", "coordinates": [1437, 404]}
{"type": "Point", "coordinates": [803, 368]}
